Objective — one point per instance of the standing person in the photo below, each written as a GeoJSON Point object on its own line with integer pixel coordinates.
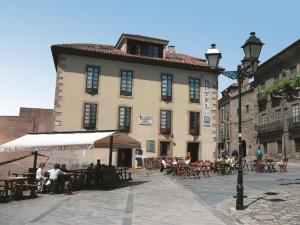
{"type": "Point", "coordinates": [67, 181]}
{"type": "Point", "coordinates": [98, 172]}
{"type": "Point", "coordinates": [90, 175]}
{"type": "Point", "coordinates": [40, 177]}
{"type": "Point", "coordinates": [259, 154]}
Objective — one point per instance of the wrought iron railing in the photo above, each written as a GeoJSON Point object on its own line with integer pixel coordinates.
{"type": "Point", "coordinates": [293, 122]}
{"type": "Point", "coordinates": [270, 127]}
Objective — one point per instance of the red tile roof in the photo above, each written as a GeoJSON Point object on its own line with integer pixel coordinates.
{"type": "Point", "coordinates": [175, 60]}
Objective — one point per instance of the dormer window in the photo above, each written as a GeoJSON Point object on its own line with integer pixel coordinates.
{"type": "Point", "coordinates": [153, 51]}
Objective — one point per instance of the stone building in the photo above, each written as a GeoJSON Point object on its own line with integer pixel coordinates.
{"type": "Point", "coordinates": [279, 120]}
{"type": "Point", "coordinates": [270, 122]}
{"type": "Point", "coordinates": [30, 120]}
{"type": "Point", "coordinates": [164, 99]}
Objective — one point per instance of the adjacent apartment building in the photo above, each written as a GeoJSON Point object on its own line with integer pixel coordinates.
{"type": "Point", "coordinates": [272, 123]}
{"type": "Point", "coordinates": [141, 86]}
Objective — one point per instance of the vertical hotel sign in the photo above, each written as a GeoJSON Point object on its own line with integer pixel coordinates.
{"type": "Point", "coordinates": [206, 104]}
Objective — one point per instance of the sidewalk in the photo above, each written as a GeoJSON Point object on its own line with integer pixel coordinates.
{"type": "Point", "coordinates": [155, 199]}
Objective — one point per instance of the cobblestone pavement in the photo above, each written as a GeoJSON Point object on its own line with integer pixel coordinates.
{"type": "Point", "coordinates": [274, 207]}
{"type": "Point", "coordinates": [152, 199]}
{"type": "Point", "coordinates": [272, 197]}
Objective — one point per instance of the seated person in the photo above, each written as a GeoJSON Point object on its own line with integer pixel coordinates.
{"type": "Point", "coordinates": [164, 165]}
{"type": "Point", "coordinates": [219, 159]}
{"type": "Point", "coordinates": [40, 177]}
{"type": "Point", "coordinates": [224, 154]}
{"type": "Point", "coordinates": [175, 161]}
{"type": "Point", "coordinates": [63, 168]}
{"type": "Point", "coordinates": [188, 160]}
{"type": "Point", "coordinates": [235, 154]}
{"type": "Point", "coordinates": [54, 176]}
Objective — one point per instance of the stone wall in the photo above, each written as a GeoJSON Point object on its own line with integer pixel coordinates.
{"type": "Point", "coordinates": [29, 120]}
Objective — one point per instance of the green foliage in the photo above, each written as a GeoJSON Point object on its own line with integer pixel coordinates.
{"type": "Point", "coordinates": [287, 87]}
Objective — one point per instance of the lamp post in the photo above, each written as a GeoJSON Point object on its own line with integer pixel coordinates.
{"type": "Point", "coordinates": [247, 68]}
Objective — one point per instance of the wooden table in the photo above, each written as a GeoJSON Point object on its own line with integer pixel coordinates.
{"type": "Point", "coordinates": [24, 174]}
{"type": "Point", "coordinates": [9, 185]}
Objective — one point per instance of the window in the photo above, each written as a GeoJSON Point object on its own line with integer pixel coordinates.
{"type": "Point", "coordinates": [126, 83]}
{"type": "Point", "coordinates": [124, 118]}
{"type": "Point", "coordinates": [194, 90]}
{"type": "Point", "coordinates": [90, 116]}
{"type": "Point", "coordinates": [279, 146]}
{"type": "Point", "coordinates": [221, 132]}
{"type": "Point", "coordinates": [297, 144]}
{"type": "Point", "coordinates": [226, 117]}
{"type": "Point", "coordinates": [165, 121]}
{"type": "Point", "coordinates": [227, 131]}
{"type": "Point", "coordinates": [153, 51]}
{"type": "Point", "coordinates": [295, 113]}
{"type": "Point", "coordinates": [166, 87]}
{"type": "Point", "coordinates": [221, 115]}
{"type": "Point", "coordinates": [194, 123]}
{"type": "Point", "coordinates": [247, 108]}
{"type": "Point", "coordinates": [277, 115]}
{"type": "Point", "coordinates": [92, 79]}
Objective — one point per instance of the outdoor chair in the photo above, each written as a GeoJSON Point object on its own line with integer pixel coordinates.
{"type": "Point", "coordinates": [283, 165]}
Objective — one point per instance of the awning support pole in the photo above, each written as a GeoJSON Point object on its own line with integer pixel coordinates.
{"type": "Point", "coordinates": [111, 143]}
{"type": "Point", "coordinates": [35, 159]}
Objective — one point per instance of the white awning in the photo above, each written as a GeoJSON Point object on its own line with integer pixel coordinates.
{"type": "Point", "coordinates": [68, 141]}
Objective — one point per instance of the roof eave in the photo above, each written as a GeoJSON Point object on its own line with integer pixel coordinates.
{"type": "Point", "coordinates": [148, 61]}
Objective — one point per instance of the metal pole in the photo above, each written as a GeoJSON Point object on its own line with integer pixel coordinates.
{"type": "Point", "coordinates": [240, 187]}
{"type": "Point", "coordinates": [35, 159]}
{"type": "Point", "coordinates": [111, 149]}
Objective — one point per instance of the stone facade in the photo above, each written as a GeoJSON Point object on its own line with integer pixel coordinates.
{"type": "Point", "coordinates": [29, 120]}
{"type": "Point", "coordinates": [263, 122]}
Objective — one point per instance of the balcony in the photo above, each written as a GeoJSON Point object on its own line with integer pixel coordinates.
{"type": "Point", "coordinates": [293, 123]}
{"type": "Point", "coordinates": [270, 128]}
{"type": "Point", "coordinates": [262, 98]}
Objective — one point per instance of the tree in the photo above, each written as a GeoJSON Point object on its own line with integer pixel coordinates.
{"type": "Point", "coordinates": [286, 89]}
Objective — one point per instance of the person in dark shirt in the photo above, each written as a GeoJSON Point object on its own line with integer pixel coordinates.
{"type": "Point", "coordinates": [98, 171]}
{"type": "Point", "coordinates": [235, 154]}
{"type": "Point", "coordinates": [90, 175]}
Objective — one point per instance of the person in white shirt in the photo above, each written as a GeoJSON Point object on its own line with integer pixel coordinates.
{"type": "Point", "coordinates": [175, 161]}
{"type": "Point", "coordinates": [53, 178]}
{"type": "Point", "coordinates": [39, 177]}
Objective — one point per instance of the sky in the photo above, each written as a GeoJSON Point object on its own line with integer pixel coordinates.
{"type": "Point", "coordinates": [29, 28]}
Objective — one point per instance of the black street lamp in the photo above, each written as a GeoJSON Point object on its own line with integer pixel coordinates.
{"type": "Point", "coordinates": [252, 48]}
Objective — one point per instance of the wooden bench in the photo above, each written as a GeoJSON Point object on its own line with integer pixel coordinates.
{"type": "Point", "coordinates": [283, 165]}
{"type": "Point", "coordinates": [26, 187]}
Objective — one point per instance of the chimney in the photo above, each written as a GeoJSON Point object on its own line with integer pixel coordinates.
{"type": "Point", "coordinates": [171, 48]}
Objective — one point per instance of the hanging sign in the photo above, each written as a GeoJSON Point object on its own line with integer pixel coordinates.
{"type": "Point", "coordinates": [206, 104]}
